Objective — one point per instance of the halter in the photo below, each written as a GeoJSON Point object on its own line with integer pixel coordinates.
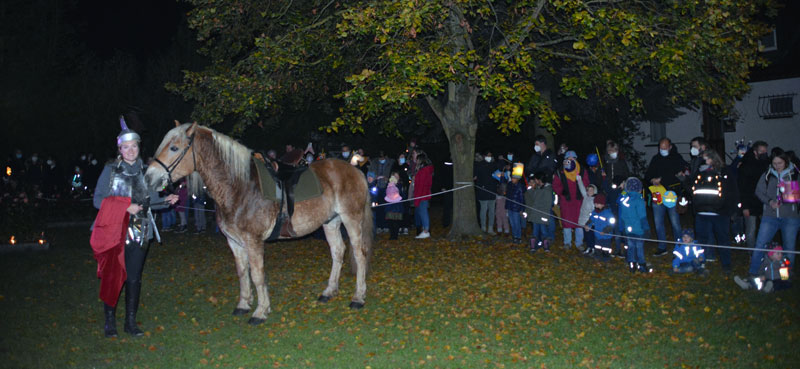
{"type": "Point", "coordinates": [169, 168]}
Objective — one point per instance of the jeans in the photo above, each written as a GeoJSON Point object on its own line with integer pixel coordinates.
{"type": "Point", "coordinates": [658, 216]}
{"type": "Point", "coordinates": [693, 267]}
{"type": "Point", "coordinates": [199, 205]}
{"type": "Point", "coordinates": [515, 219]}
{"type": "Point", "coordinates": [714, 227]}
{"type": "Point", "coordinates": [421, 215]}
{"type": "Point", "coordinates": [568, 237]}
{"type": "Point", "coordinates": [487, 215]}
{"type": "Point", "coordinates": [636, 251]}
{"type": "Point", "coordinates": [770, 226]}
{"type": "Point", "coordinates": [551, 225]}
{"type": "Point", "coordinates": [750, 230]}
{"type": "Point", "coordinates": [167, 218]}
{"type": "Point", "coordinates": [542, 231]}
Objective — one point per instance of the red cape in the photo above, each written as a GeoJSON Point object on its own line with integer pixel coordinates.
{"type": "Point", "coordinates": [108, 243]}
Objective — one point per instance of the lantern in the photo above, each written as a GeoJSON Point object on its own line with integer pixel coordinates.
{"type": "Point", "coordinates": [12, 241]}
{"type": "Point", "coordinates": [518, 169]}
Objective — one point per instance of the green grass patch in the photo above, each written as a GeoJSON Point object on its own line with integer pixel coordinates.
{"type": "Point", "coordinates": [432, 303]}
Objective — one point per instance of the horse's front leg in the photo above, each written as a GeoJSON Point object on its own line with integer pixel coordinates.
{"type": "Point", "coordinates": [255, 252]}
{"type": "Point", "coordinates": [356, 234]}
{"type": "Point", "coordinates": [334, 237]}
{"type": "Point", "coordinates": [243, 271]}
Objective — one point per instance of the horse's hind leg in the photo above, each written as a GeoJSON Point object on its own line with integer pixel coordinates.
{"type": "Point", "coordinates": [355, 233]}
{"type": "Point", "coordinates": [243, 271]}
{"type": "Point", "coordinates": [334, 237]}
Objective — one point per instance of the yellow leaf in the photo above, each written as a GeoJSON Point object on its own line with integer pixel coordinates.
{"type": "Point", "coordinates": [579, 45]}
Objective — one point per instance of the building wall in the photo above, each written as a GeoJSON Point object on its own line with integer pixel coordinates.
{"type": "Point", "coordinates": [783, 132]}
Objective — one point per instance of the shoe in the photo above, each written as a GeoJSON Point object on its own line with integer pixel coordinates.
{"type": "Point", "coordinates": [199, 231]}
{"type": "Point", "coordinates": [660, 252]}
{"type": "Point", "coordinates": [745, 285]}
{"type": "Point", "coordinates": [132, 290]}
{"type": "Point", "coordinates": [110, 326]}
{"type": "Point", "coordinates": [424, 234]}
{"type": "Point", "coordinates": [632, 267]}
{"type": "Point", "coordinates": [404, 231]}
{"type": "Point", "coordinates": [588, 251]}
{"type": "Point", "coordinates": [166, 229]}
{"type": "Point", "coordinates": [492, 232]}
{"type": "Point", "coordinates": [619, 254]}
{"type": "Point", "coordinates": [181, 229]}
{"type": "Point", "coordinates": [767, 287]}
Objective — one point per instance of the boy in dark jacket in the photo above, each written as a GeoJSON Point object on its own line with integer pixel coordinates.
{"type": "Point", "coordinates": [601, 220]}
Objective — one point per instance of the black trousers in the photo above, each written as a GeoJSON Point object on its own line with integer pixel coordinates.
{"type": "Point", "coordinates": [135, 256]}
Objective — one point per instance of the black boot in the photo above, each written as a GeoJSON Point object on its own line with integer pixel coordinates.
{"type": "Point", "coordinates": [110, 327]}
{"type": "Point", "coordinates": [131, 306]}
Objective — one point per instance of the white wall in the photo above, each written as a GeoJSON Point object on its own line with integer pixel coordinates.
{"type": "Point", "coordinates": [783, 132]}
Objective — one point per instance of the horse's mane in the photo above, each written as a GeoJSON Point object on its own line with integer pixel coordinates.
{"type": "Point", "coordinates": [236, 155]}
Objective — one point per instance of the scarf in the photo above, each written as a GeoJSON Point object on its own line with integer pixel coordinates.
{"type": "Point", "coordinates": [572, 176]}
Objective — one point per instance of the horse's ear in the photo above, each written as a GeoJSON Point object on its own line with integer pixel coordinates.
{"type": "Point", "coordinates": [177, 123]}
{"type": "Point", "coordinates": [191, 129]}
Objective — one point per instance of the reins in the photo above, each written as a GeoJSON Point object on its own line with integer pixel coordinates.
{"type": "Point", "coordinates": [169, 168]}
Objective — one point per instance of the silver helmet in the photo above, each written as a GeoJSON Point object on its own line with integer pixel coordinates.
{"type": "Point", "coordinates": [127, 134]}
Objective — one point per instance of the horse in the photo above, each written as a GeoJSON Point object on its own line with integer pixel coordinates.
{"type": "Point", "coordinates": [246, 218]}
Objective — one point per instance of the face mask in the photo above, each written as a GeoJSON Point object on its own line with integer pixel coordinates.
{"type": "Point", "coordinates": [613, 155]}
{"type": "Point", "coordinates": [94, 161]}
{"type": "Point", "coordinates": [49, 162]}
{"type": "Point", "coordinates": [694, 151]}
{"type": "Point", "coordinates": [383, 161]}
{"type": "Point", "coordinates": [562, 150]}
{"type": "Point", "coordinates": [34, 159]}
{"type": "Point", "coordinates": [510, 157]}
{"type": "Point", "coordinates": [19, 156]}
{"type": "Point", "coordinates": [345, 154]}
{"type": "Point", "coordinates": [401, 161]}
{"type": "Point", "coordinates": [309, 158]}
{"type": "Point", "coordinates": [83, 157]}
{"type": "Point", "coordinates": [663, 152]}
{"type": "Point", "coordinates": [488, 159]}
{"type": "Point", "coordinates": [537, 148]}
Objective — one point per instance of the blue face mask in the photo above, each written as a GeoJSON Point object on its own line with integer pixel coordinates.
{"type": "Point", "coordinates": [401, 161]}
{"type": "Point", "coordinates": [663, 152]}
{"type": "Point", "coordinates": [510, 157]}
{"type": "Point", "coordinates": [345, 154]}
{"type": "Point", "coordinates": [383, 161]}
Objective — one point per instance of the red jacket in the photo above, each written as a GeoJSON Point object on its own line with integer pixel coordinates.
{"type": "Point", "coordinates": [422, 184]}
{"type": "Point", "coordinates": [108, 243]}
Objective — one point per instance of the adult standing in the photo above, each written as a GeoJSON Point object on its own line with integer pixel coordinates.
{"type": "Point", "coordinates": [543, 158]}
{"type": "Point", "coordinates": [123, 230]}
{"type": "Point", "coordinates": [780, 208]}
{"type": "Point", "coordinates": [423, 180]}
{"type": "Point", "coordinates": [697, 146]}
{"type": "Point", "coordinates": [616, 165]}
{"type": "Point", "coordinates": [713, 210]}
{"type": "Point", "coordinates": [663, 170]}
{"type": "Point", "coordinates": [486, 200]}
{"type": "Point", "coordinates": [565, 185]}
{"type": "Point", "coordinates": [754, 163]}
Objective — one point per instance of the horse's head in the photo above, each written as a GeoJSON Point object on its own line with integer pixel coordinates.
{"type": "Point", "coordinates": [175, 157]}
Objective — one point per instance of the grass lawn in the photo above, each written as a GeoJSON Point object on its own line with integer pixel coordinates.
{"type": "Point", "coordinates": [431, 303]}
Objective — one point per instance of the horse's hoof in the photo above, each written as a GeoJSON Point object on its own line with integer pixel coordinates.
{"type": "Point", "coordinates": [323, 298]}
{"type": "Point", "coordinates": [256, 321]}
{"type": "Point", "coordinates": [356, 305]}
{"type": "Point", "coordinates": [238, 311]}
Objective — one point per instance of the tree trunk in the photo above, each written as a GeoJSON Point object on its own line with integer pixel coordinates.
{"type": "Point", "coordinates": [457, 116]}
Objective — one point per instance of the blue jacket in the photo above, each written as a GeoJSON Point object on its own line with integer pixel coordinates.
{"type": "Point", "coordinates": [515, 192]}
{"type": "Point", "coordinates": [603, 221]}
{"type": "Point", "coordinates": [632, 214]}
{"type": "Point", "coordinates": [686, 253]}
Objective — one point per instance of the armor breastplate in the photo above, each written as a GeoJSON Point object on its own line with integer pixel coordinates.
{"type": "Point", "coordinates": [128, 181]}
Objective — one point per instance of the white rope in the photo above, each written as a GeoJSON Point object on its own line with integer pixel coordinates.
{"type": "Point", "coordinates": [431, 195]}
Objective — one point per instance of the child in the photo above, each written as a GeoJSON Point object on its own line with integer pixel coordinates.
{"type": "Point", "coordinates": [541, 200]}
{"type": "Point", "coordinates": [613, 192]}
{"type": "Point", "coordinates": [688, 256]}
{"type": "Point", "coordinates": [500, 213]}
{"type": "Point", "coordinates": [587, 207]}
{"type": "Point", "coordinates": [774, 273]}
{"type": "Point", "coordinates": [633, 217]}
{"type": "Point", "coordinates": [601, 220]}
{"type": "Point", "coordinates": [394, 211]}
{"type": "Point", "coordinates": [515, 204]}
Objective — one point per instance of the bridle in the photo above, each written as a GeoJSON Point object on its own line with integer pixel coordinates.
{"type": "Point", "coordinates": [169, 168]}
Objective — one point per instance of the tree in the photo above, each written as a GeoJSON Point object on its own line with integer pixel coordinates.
{"type": "Point", "coordinates": [514, 55]}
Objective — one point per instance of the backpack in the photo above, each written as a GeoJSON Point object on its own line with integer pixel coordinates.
{"type": "Point", "coordinates": [707, 192]}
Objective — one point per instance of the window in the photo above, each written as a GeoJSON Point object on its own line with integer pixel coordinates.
{"type": "Point", "coordinates": [657, 131]}
{"type": "Point", "coordinates": [768, 42]}
{"type": "Point", "coordinates": [776, 106]}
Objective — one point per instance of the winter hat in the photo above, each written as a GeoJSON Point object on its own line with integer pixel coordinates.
{"type": "Point", "coordinates": [571, 154]}
{"type": "Point", "coordinates": [633, 184]}
{"type": "Point", "coordinates": [371, 175]}
{"type": "Point", "coordinates": [392, 193]}
{"type": "Point", "coordinates": [592, 160]}
{"type": "Point", "coordinates": [774, 250]}
{"type": "Point", "coordinates": [600, 199]}
{"type": "Point", "coordinates": [595, 189]}
{"type": "Point", "coordinates": [687, 232]}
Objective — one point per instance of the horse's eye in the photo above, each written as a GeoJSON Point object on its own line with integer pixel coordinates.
{"type": "Point", "coordinates": [173, 148]}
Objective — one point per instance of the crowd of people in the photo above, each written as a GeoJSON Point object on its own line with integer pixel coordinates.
{"type": "Point", "coordinates": [602, 208]}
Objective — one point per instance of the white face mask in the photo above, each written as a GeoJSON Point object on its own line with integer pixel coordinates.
{"type": "Point", "coordinates": [613, 155]}
{"type": "Point", "coordinates": [694, 151]}
{"type": "Point", "coordinates": [663, 152]}
{"type": "Point", "coordinates": [34, 159]}
{"type": "Point", "coordinates": [83, 157]}
{"type": "Point", "coordinates": [49, 162]}
{"type": "Point", "coordinates": [537, 148]}
{"type": "Point", "coordinates": [488, 159]}
{"type": "Point", "coordinates": [94, 161]}
{"type": "Point", "coordinates": [309, 158]}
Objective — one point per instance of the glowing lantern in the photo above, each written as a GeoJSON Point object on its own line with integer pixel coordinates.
{"type": "Point", "coordinates": [12, 241]}
{"type": "Point", "coordinates": [8, 171]}
{"type": "Point", "coordinates": [657, 192]}
{"type": "Point", "coordinates": [670, 199]}
{"type": "Point", "coordinates": [518, 169]}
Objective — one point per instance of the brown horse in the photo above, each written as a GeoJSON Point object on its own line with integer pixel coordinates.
{"type": "Point", "coordinates": [246, 218]}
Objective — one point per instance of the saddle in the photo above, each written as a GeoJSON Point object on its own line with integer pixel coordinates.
{"type": "Point", "coordinates": [287, 185]}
